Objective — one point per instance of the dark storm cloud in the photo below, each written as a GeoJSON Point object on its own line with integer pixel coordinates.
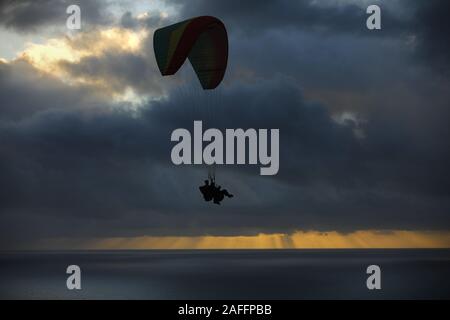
{"type": "Point", "coordinates": [119, 71]}
{"type": "Point", "coordinates": [326, 48]}
{"type": "Point", "coordinates": [24, 92]}
{"type": "Point", "coordinates": [29, 15]}
{"type": "Point", "coordinates": [311, 16]}
{"type": "Point", "coordinates": [65, 172]}
{"type": "Point", "coordinates": [341, 63]}
{"type": "Point", "coordinates": [110, 174]}
{"type": "Point", "coordinates": [424, 21]}
{"type": "Point", "coordinates": [433, 28]}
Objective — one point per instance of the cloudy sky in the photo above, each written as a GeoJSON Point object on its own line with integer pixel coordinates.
{"type": "Point", "coordinates": [86, 118]}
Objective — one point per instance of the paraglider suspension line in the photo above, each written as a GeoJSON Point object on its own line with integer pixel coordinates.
{"type": "Point", "coordinates": [212, 173]}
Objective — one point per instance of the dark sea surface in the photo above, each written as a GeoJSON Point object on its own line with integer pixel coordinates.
{"type": "Point", "coordinates": [226, 274]}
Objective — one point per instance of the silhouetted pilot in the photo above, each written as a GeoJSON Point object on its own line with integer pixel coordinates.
{"type": "Point", "coordinates": [207, 190]}
{"type": "Point", "coordinates": [220, 194]}
{"type": "Point", "coordinates": [210, 192]}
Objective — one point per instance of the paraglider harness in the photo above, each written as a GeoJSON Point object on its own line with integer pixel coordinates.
{"type": "Point", "coordinates": [212, 176]}
{"type": "Point", "coordinates": [212, 192]}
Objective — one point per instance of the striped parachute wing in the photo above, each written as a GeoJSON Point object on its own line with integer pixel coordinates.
{"type": "Point", "coordinates": [202, 40]}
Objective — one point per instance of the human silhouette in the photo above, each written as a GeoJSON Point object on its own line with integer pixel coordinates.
{"type": "Point", "coordinates": [207, 190]}
{"type": "Point", "coordinates": [219, 194]}
{"type": "Point", "coordinates": [210, 192]}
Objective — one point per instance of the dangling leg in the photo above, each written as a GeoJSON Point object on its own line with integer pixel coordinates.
{"type": "Point", "coordinates": [225, 192]}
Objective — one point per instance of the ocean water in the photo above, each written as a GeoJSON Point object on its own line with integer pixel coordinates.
{"type": "Point", "coordinates": [226, 274]}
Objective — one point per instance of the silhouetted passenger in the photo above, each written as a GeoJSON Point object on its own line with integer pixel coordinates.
{"type": "Point", "coordinates": [210, 192]}
{"type": "Point", "coordinates": [219, 194]}
{"type": "Point", "coordinates": [207, 190]}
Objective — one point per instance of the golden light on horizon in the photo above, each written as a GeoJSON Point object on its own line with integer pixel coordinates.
{"type": "Point", "coordinates": [364, 239]}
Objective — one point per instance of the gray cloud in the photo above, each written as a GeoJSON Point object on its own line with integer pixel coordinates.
{"type": "Point", "coordinates": [425, 21]}
{"type": "Point", "coordinates": [29, 16]}
{"type": "Point", "coordinates": [86, 176]}
{"type": "Point", "coordinates": [255, 17]}
{"type": "Point", "coordinates": [153, 19]}
{"type": "Point", "coordinates": [119, 71]}
{"type": "Point", "coordinates": [432, 27]}
{"type": "Point", "coordinates": [74, 165]}
{"type": "Point", "coordinates": [24, 91]}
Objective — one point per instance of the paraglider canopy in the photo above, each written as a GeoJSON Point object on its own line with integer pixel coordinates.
{"type": "Point", "coordinates": [203, 40]}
